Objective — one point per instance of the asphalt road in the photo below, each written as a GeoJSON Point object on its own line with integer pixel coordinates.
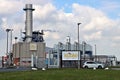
{"type": "Point", "coordinates": [115, 68]}
{"type": "Point", "coordinates": [13, 69]}
{"type": "Point", "coordinates": [28, 69]}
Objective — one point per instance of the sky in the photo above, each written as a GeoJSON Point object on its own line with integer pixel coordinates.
{"type": "Point", "coordinates": [100, 22]}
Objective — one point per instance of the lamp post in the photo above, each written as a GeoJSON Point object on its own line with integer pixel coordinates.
{"type": "Point", "coordinates": [79, 61]}
{"type": "Point", "coordinates": [7, 30]}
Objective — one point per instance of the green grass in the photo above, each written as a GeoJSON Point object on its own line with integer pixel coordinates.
{"type": "Point", "coordinates": [62, 74]}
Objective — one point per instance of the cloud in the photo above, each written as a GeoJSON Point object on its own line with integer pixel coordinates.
{"type": "Point", "coordinates": [109, 5]}
{"type": "Point", "coordinates": [93, 18]}
{"type": "Point", "coordinates": [39, 2]}
{"type": "Point", "coordinates": [93, 36]}
{"type": "Point", "coordinates": [44, 12]}
{"type": "Point", "coordinates": [9, 7]}
{"type": "Point", "coordinates": [12, 6]}
{"type": "Point", "coordinates": [4, 23]}
{"type": "Point", "coordinates": [111, 8]}
{"type": "Point", "coordinates": [3, 27]}
{"type": "Point", "coordinates": [99, 23]}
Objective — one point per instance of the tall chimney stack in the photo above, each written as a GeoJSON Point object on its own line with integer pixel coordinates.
{"type": "Point", "coordinates": [29, 22]}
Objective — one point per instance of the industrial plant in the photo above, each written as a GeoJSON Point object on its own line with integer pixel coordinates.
{"type": "Point", "coordinates": [33, 52]}
{"type": "Point", "coordinates": [30, 52]}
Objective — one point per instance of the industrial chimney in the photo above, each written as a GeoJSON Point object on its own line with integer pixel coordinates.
{"type": "Point", "coordinates": [29, 22]}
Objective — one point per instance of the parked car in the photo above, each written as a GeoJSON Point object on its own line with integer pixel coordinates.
{"type": "Point", "coordinates": [93, 64]}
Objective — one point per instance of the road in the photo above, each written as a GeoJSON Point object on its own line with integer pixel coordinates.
{"type": "Point", "coordinates": [13, 69]}
{"type": "Point", "coordinates": [115, 68]}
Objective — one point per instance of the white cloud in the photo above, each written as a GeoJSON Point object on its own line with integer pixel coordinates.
{"type": "Point", "coordinates": [116, 38]}
{"type": "Point", "coordinates": [44, 12]}
{"type": "Point", "coordinates": [99, 23]}
{"type": "Point", "coordinates": [93, 36]}
{"type": "Point", "coordinates": [109, 6]}
{"type": "Point", "coordinates": [53, 35]}
{"type": "Point", "coordinates": [13, 6]}
{"type": "Point", "coordinates": [10, 6]}
{"type": "Point", "coordinates": [4, 23]}
{"type": "Point", "coordinates": [40, 2]}
{"type": "Point", "coordinates": [94, 19]}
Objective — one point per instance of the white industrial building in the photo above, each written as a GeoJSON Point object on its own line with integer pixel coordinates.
{"type": "Point", "coordinates": [55, 54]}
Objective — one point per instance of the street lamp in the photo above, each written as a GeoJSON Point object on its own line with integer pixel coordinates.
{"type": "Point", "coordinates": [79, 61]}
{"type": "Point", "coordinates": [7, 30]}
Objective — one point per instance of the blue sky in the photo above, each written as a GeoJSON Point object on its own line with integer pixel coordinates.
{"type": "Point", "coordinates": [110, 7]}
{"type": "Point", "coordinates": [100, 22]}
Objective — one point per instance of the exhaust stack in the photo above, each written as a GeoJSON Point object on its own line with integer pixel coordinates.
{"type": "Point", "coordinates": [29, 22]}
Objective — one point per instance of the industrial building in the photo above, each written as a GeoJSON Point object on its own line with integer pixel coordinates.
{"type": "Point", "coordinates": [30, 52]}
{"type": "Point", "coordinates": [56, 59]}
{"type": "Point", "coordinates": [66, 55]}
{"type": "Point", "coordinates": [108, 60]}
